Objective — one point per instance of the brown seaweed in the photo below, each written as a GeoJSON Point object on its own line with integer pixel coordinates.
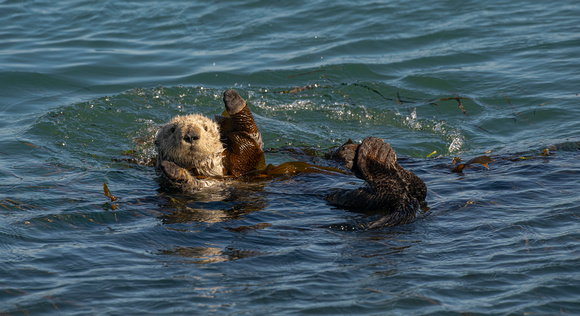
{"type": "Point", "coordinates": [482, 160]}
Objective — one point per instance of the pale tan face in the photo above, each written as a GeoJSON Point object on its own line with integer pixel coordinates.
{"type": "Point", "coordinates": [189, 140]}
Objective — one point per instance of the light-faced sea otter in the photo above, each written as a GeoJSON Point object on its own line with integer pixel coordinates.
{"type": "Point", "coordinates": [194, 151]}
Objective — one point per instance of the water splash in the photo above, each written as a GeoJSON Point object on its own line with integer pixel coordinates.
{"type": "Point", "coordinates": [144, 151]}
{"type": "Point", "coordinates": [452, 136]}
{"type": "Point", "coordinates": [456, 143]}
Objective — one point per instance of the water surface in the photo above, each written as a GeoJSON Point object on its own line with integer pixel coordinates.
{"type": "Point", "coordinates": [85, 85]}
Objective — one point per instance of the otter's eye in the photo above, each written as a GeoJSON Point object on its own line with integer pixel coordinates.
{"type": "Point", "coordinates": [205, 127]}
{"type": "Point", "coordinates": [172, 130]}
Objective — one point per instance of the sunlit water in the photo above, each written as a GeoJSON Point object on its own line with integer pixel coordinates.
{"type": "Point", "coordinates": [86, 84]}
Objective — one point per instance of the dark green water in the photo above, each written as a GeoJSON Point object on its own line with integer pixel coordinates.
{"type": "Point", "coordinates": [83, 83]}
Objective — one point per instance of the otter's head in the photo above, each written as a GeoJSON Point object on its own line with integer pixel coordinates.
{"type": "Point", "coordinates": [191, 141]}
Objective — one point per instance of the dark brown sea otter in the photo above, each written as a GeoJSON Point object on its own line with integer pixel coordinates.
{"type": "Point", "coordinates": [388, 188]}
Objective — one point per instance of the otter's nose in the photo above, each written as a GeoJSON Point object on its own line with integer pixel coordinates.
{"type": "Point", "coordinates": [191, 137]}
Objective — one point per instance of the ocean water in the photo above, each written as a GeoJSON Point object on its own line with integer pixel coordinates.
{"type": "Point", "coordinates": [85, 84]}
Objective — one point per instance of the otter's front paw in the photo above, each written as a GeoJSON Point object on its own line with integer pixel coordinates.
{"type": "Point", "coordinates": [172, 171]}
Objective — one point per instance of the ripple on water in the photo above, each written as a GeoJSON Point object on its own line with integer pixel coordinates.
{"type": "Point", "coordinates": [86, 84]}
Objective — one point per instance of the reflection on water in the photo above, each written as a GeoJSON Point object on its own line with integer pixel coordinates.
{"type": "Point", "coordinates": [207, 255]}
{"type": "Point", "coordinates": [232, 205]}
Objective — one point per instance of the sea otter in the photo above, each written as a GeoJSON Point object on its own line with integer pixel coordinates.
{"type": "Point", "coordinates": [190, 152]}
{"type": "Point", "coordinates": [388, 187]}
{"type": "Point", "coordinates": [195, 152]}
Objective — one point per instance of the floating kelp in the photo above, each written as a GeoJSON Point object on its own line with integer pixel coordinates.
{"type": "Point", "coordinates": [482, 160]}
{"type": "Point", "coordinates": [109, 195]}
{"type": "Point", "coordinates": [485, 160]}
{"type": "Point", "coordinates": [546, 152]}
{"type": "Point", "coordinates": [516, 113]}
{"type": "Point", "coordinates": [32, 145]}
{"type": "Point", "coordinates": [293, 167]}
{"type": "Point", "coordinates": [11, 204]}
{"type": "Point", "coordinates": [298, 89]}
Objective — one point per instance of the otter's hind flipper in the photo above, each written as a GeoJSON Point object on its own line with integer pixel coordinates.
{"type": "Point", "coordinates": [376, 163]}
{"type": "Point", "coordinates": [240, 135]}
{"type": "Point", "coordinates": [243, 154]}
{"type": "Point", "coordinates": [239, 118]}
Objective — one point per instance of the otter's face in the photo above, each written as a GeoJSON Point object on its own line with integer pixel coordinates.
{"type": "Point", "coordinates": [189, 140]}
